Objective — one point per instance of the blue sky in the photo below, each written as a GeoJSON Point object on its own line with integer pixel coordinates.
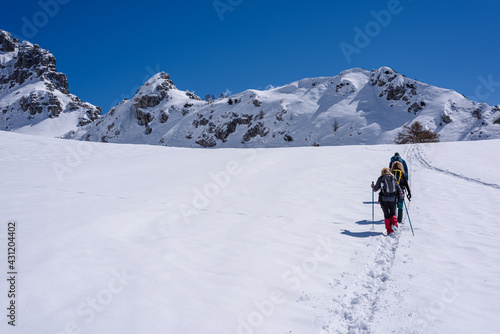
{"type": "Point", "coordinates": [108, 49]}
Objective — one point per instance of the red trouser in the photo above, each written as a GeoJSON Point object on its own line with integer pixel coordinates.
{"type": "Point", "coordinates": [389, 209]}
{"type": "Point", "coordinates": [391, 222]}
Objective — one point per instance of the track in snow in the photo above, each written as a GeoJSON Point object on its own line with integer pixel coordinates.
{"type": "Point", "coordinates": [354, 311]}
{"type": "Point", "coordinates": [417, 153]}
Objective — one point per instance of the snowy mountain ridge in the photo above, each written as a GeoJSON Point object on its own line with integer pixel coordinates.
{"type": "Point", "coordinates": [34, 97]}
{"type": "Point", "coordinates": [355, 107]}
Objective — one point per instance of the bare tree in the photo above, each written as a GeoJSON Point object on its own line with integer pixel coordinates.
{"type": "Point", "coordinates": [415, 133]}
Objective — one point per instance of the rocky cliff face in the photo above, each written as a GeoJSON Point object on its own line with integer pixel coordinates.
{"type": "Point", "coordinates": [32, 91]}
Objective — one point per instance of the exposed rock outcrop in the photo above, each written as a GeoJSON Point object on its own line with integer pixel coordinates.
{"type": "Point", "coordinates": [32, 90]}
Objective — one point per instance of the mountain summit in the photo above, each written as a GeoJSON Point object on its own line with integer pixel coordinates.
{"type": "Point", "coordinates": [34, 97]}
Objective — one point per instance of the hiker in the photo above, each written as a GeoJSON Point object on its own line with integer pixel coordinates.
{"type": "Point", "coordinates": [389, 196]}
{"type": "Point", "coordinates": [398, 172]}
{"type": "Point", "coordinates": [397, 157]}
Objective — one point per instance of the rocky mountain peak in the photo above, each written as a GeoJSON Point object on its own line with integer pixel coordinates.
{"type": "Point", "coordinates": [385, 76]}
{"type": "Point", "coordinates": [154, 91]}
{"type": "Point", "coordinates": [31, 88]}
{"type": "Point", "coordinates": [7, 44]}
{"type": "Point", "coordinates": [29, 61]}
{"type": "Point", "coordinates": [395, 87]}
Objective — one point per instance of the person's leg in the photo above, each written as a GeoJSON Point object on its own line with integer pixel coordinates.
{"type": "Point", "coordinates": [400, 210]}
{"type": "Point", "coordinates": [394, 221]}
{"type": "Point", "coordinates": [392, 214]}
{"type": "Point", "coordinates": [387, 216]}
{"type": "Point", "coordinates": [386, 208]}
{"type": "Point", "coordinates": [391, 208]}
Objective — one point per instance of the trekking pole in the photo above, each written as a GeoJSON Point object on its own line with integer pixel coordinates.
{"type": "Point", "coordinates": [373, 204]}
{"type": "Point", "coordinates": [409, 218]}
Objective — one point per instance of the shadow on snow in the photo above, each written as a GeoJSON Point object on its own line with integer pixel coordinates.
{"type": "Point", "coordinates": [369, 222]}
{"type": "Point", "coordinates": [361, 234]}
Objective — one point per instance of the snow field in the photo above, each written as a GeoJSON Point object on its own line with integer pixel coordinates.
{"type": "Point", "coordinates": [130, 239]}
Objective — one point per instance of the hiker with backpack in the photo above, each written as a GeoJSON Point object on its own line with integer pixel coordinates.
{"type": "Point", "coordinates": [397, 157]}
{"type": "Point", "coordinates": [398, 172]}
{"type": "Point", "coordinates": [390, 194]}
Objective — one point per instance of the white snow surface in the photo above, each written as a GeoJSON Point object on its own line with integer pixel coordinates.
{"type": "Point", "coordinates": [149, 239]}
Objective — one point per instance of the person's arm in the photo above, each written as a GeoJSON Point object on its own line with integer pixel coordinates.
{"type": "Point", "coordinates": [405, 185]}
{"type": "Point", "coordinates": [377, 185]}
{"type": "Point", "coordinates": [406, 167]}
{"type": "Point", "coordinates": [400, 196]}
{"type": "Point", "coordinates": [398, 188]}
{"type": "Point", "coordinates": [408, 188]}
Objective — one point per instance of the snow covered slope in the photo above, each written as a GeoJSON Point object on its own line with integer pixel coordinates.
{"type": "Point", "coordinates": [146, 239]}
{"type": "Point", "coordinates": [157, 106]}
{"type": "Point", "coordinates": [34, 97]}
{"type": "Point", "coordinates": [355, 107]}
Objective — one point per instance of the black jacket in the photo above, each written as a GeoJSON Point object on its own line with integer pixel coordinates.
{"type": "Point", "coordinates": [388, 198]}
